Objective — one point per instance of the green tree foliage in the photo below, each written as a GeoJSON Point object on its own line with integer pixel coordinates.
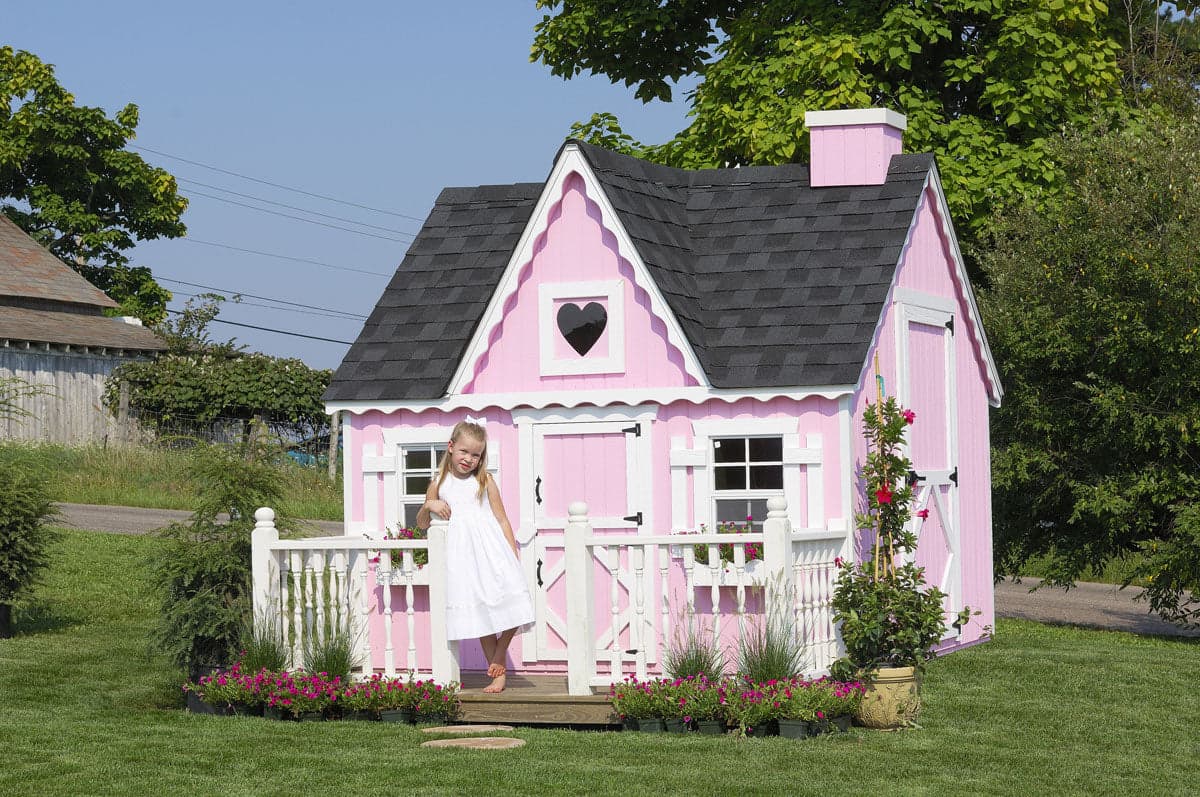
{"type": "Point", "coordinates": [202, 573]}
{"type": "Point", "coordinates": [67, 180]}
{"type": "Point", "coordinates": [1094, 317]}
{"type": "Point", "coordinates": [198, 381]}
{"type": "Point", "coordinates": [24, 539]}
{"type": "Point", "coordinates": [984, 83]}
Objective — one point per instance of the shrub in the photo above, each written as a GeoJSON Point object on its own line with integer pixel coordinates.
{"type": "Point", "coordinates": [333, 655]}
{"type": "Point", "coordinates": [769, 651]}
{"type": "Point", "coordinates": [693, 652]}
{"type": "Point", "coordinates": [263, 647]}
{"type": "Point", "coordinates": [24, 507]}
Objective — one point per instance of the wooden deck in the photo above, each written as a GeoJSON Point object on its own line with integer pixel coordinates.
{"type": "Point", "coordinates": [532, 699]}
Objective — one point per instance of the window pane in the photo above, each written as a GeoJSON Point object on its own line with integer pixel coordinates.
{"type": "Point", "coordinates": [766, 449]}
{"type": "Point", "coordinates": [731, 510]}
{"type": "Point", "coordinates": [766, 477]}
{"type": "Point", "coordinates": [410, 514]}
{"type": "Point", "coordinates": [729, 450]}
{"type": "Point", "coordinates": [417, 459]}
{"type": "Point", "coordinates": [730, 478]}
{"type": "Point", "coordinates": [416, 485]}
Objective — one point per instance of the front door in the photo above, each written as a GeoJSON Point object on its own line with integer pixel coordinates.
{"type": "Point", "coordinates": [929, 344]}
{"type": "Point", "coordinates": [605, 464]}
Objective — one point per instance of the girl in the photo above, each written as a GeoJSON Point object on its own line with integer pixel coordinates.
{"type": "Point", "coordinates": [486, 594]}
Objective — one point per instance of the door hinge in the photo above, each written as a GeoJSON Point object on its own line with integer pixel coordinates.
{"type": "Point", "coordinates": [635, 430]}
{"type": "Point", "coordinates": [954, 476]}
{"type": "Point", "coordinates": [950, 325]}
{"type": "Point", "coordinates": [914, 477]}
{"type": "Point", "coordinates": [634, 518]}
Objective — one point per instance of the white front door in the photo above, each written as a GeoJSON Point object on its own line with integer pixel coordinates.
{"type": "Point", "coordinates": [605, 464]}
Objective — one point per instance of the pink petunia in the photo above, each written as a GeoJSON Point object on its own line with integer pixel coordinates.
{"type": "Point", "coordinates": [924, 513]}
{"type": "Point", "coordinates": [883, 495]}
{"type": "Point", "coordinates": [909, 416]}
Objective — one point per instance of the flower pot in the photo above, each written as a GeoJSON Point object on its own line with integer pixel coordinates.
{"type": "Point", "coordinates": [892, 699]}
{"type": "Point", "coordinates": [197, 706]}
{"type": "Point", "coordinates": [360, 716]}
{"type": "Point", "coordinates": [397, 715]}
{"type": "Point", "coordinates": [764, 728]}
{"type": "Point", "coordinates": [276, 713]}
{"type": "Point", "coordinates": [654, 725]}
{"type": "Point", "coordinates": [793, 729]}
{"type": "Point", "coordinates": [676, 725]}
{"type": "Point", "coordinates": [711, 727]}
{"type": "Point", "coordinates": [436, 718]}
{"type": "Point", "coordinates": [629, 723]}
{"type": "Point", "coordinates": [311, 716]}
{"type": "Point", "coordinates": [841, 724]}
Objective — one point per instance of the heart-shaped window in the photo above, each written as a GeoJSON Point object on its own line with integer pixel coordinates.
{"type": "Point", "coordinates": [582, 326]}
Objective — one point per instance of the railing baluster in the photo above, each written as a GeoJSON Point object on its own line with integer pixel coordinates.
{"type": "Point", "coordinates": [689, 583]}
{"type": "Point", "coordinates": [714, 590]}
{"type": "Point", "coordinates": [798, 610]}
{"type": "Point", "coordinates": [666, 627]}
{"type": "Point", "coordinates": [320, 572]}
{"type": "Point", "coordinates": [361, 600]}
{"type": "Point", "coordinates": [383, 577]}
{"type": "Point", "coordinates": [298, 637]}
{"type": "Point", "coordinates": [739, 567]}
{"type": "Point", "coordinates": [612, 561]}
{"type": "Point", "coordinates": [410, 612]}
{"type": "Point", "coordinates": [285, 567]}
{"type": "Point", "coordinates": [637, 624]}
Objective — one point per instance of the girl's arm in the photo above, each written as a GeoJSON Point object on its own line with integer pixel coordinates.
{"type": "Point", "coordinates": [493, 493]}
{"type": "Point", "coordinates": [433, 505]}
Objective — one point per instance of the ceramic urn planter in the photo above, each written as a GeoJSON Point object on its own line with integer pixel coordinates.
{"type": "Point", "coordinates": [892, 699]}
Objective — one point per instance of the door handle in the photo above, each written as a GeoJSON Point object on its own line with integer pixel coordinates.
{"type": "Point", "coordinates": [539, 572]}
{"type": "Point", "coordinates": [537, 490]}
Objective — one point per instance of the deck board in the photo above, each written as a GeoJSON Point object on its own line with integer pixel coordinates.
{"type": "Point", "coordinates": [534, 699]}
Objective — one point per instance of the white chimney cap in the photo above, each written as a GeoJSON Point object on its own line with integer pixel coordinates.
{"type": "Point", "coordinates": [852, 117]}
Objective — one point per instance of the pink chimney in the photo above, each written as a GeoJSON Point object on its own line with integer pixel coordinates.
{"type": "Point", "coordinates": [853, 147]}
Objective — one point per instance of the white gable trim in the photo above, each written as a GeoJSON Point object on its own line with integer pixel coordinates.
{"type": "Point", "coordinates": [579, 398]}
{"type": "Point", "coordinates": [570, 160]}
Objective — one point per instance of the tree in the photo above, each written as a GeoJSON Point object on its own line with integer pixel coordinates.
{"type": "Point", "coordinates": [199, 381]}
{"type": "Point", "coordinates": [67, 180]}
{"type": "Point", "coordinates": [1093, 312]}
{"type": "Point", "coordinates": [985, 84]}
{"type": "Point", "coordinates": [25, 506]}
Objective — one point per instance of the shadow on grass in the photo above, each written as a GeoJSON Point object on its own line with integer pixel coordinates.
{"type": "Point", "coordinates": [42, 616]}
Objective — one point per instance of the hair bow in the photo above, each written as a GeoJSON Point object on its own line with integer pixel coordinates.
{"type": "Point", "coordinates": [476, 421]}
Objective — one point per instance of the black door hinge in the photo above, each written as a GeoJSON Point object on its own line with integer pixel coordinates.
{"type": "Point", "coordinates": [634, 518]}
{"type": "Point", "coordinates": [914, 477]}
{"type": "Point", "coordinates": [954, 476]}
{"type": "Point", "coordinates": [950, 325]}
{"type": "Point", "coordinates": [635, 430]}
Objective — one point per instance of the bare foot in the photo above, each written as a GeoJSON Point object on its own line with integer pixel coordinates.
{"type": "Point", "coordinates": [494, 670]}
{"type": "Point", "coordinates": [496, 686]}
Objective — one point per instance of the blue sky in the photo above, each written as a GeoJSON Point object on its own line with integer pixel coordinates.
{"type": "Point", "coordinates": [381, 104]}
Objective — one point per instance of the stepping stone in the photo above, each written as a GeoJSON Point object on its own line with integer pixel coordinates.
{"type": "Point", "coordinates": [478, 742]}
{"type": "Point", "coordinates": [463, 729]}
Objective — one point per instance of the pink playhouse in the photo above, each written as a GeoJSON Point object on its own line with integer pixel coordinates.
{"type": "Point", "coordinates": [656, 350]}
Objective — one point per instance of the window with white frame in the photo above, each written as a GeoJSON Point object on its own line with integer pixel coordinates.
{"type": "Point", "coordinates": [746, 471]}
{"type": "Point", "coordinates": [418, 466]}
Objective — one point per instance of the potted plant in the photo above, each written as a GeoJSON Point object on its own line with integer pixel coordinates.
{"type": "Point", "coordinates": [396, 700]}
{"type": "Point", "coordinates": [797, 709]}
{"type": "Point", "coordinates": [839, 702]}
{"type": "Point", "coordinates": [361, 701]}
{"type": "Point", "coordinates": [639, 704]}
{"type": "Point", "coordinates": [755, 708]}
{"type": "Point", "coordinates": [703, 704]}
{"type": "Point", "coordinates": [890, 618]}
{"type": "Point", "coordinates": [435, 702]}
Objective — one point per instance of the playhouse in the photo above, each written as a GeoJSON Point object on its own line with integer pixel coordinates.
{"type": "Point", "coordinates": [674, 348]}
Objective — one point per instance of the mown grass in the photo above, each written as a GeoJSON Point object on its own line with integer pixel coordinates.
{"type": "Point", "coordinates": [156, 477]}
{"type": "Point", "coordinates": [86, 709]}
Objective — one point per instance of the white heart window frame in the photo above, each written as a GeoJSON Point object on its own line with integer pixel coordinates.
{"type": "Point", "coordinates": [613, 294]}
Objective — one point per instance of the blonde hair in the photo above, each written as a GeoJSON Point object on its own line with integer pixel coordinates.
{"type": "Point", "coordinates": [481, 473]}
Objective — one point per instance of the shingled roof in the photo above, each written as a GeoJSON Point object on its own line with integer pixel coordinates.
{"type": "Point", "coordinates": [42, 300]}
{"type": "Point", "coordinates": [775, 284]}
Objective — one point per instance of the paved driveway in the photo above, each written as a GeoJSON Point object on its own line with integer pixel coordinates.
{"type": "Point", "coordinates": [1095, 605]}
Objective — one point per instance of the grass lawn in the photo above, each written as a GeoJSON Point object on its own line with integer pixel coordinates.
{"type": "Point", "coordinates": [86, 709]}
{"type": "Point", "coordinates": [156, 478]}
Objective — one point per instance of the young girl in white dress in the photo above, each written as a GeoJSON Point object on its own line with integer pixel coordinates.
{"type": "Point", "coordinates": [486, 594]}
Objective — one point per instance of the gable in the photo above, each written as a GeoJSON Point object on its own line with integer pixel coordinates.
{"type": "Point", "coordinates": [760, 282]}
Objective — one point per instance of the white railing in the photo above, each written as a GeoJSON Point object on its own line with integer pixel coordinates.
{"type": "Point", "coordinates": [793, 583]}
{"type": "Point", "coordinates": [306, 589]}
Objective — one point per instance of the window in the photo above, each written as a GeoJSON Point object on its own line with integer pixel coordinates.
{"type": "Point", "coordinates": [418, 465]}
{"type": "Point", "coordinates": [746, 472]}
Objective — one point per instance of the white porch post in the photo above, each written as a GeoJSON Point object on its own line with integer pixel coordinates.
{"type": "Point", "coordinates": [581, 637]}
{"type": "Point", "coordinates": [265, 584]}
{"type": "Point", "coordinates": [777, 558]}
{"type": "Point", "coordinates": [445, 652]}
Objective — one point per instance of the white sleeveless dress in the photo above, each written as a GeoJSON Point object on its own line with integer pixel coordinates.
{"type": "Point", "coordinates": [486, 591]}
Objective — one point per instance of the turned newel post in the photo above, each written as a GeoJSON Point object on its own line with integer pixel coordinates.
{"type": "Point", "coordinates": [777, 558]}
{"type": "Point", "coordinates": [445, 652]}
{"type": "Point", "coordinates": [581, 641]}
{"type": "Point", "coordinates": [265, 583]}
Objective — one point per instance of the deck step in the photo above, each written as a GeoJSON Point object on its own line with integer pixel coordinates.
{"type": "Point", "coordinates": [531, 699]}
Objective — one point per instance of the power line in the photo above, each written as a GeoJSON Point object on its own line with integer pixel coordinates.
{"type": "Point", "coordinates": [240, 303]}
{"type": "Point", "coordinates": [253, 296]}
{"type": "Point", "coordinates": [289, 207]}
{"type": "Point", "coordinates": [300, 218]}
{"type": "Point", "coordinates": [189, 239]}
{"type": "Point", "coordinates": [276, 331]}
{"type": "Point", "coordinates": [275, 185]}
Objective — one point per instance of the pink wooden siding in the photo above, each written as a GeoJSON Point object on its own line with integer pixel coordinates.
{"type": "Point", "coordinates": [576, 246]}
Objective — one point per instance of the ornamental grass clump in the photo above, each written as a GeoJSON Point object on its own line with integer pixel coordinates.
{"type": "Point", "coordinates": [693, 652]}
{"type": "Point", "coordinates": [889, 617]}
